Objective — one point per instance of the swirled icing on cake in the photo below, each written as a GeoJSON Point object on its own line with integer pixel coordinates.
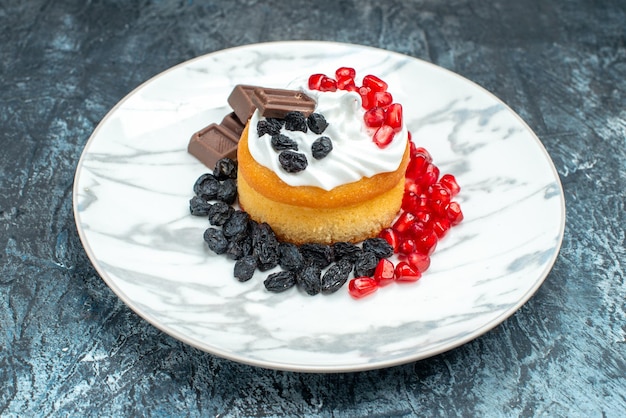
{"type": "Point", "coordinates": [354, 154]}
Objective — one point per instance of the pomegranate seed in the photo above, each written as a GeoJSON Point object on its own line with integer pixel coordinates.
{"type": "Point", "coordinates": [429, 176]}
{"type": "Point", "coordinates": [382, 98]}
{"type": "Point", "coordinates": [455, 216]}
{"type": "Point", "coordinates": [362, 286]}
{"type": "Point", "coordinates": [315, 81]}
{"type": "Point", "coordinates": [345, 72]}
{"type": "Point", "coordinates": [407, 273]}
{"type": "Point", "coordinates": [411, 186]}
{"type": "Point", "coordinates": [416, 167]}
{"type": "Point", "coordinates": [365, 97]}
{"type": "Point", "coordinates": [426, 243]}
{"type": "Point", "coordinates": [449, 182]}
{"type": "Point", "coordinates": [441, 226]}
{"type": "Point", "coordinates": [351, 87]}
{"type": "Point", "coordinates": [328, 84]}
{"type": "Point", "coordinates": [345, 83]}
{"type": "Point", "coordinates": [422, 151]}
{"type": "Point", "coordinates": [385, 272]}
{"type": "Point", "coordinates": [394, 116]}
{"type": "Point", "coordinates": [420, 262]}
{"type": "Point", "coordinates": [407, 246]}
{"type": "Point", "coordinates": [383, 136]}
{"type": "Point", "coordinates": [422, 216]}
{"type": "Point", "coordinates": [374, 83]}
{"type": "Point", "coordinates": [374, 117]}
{"type": "Point", "coordinates": [404, 222]}
{"type": "Point", "coordinates": [391, 237]}
{"type": "Point", "coordinates": [418, 230]}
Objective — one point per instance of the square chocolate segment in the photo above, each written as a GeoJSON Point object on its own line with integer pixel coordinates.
{"type": "Point", "coordinates": [276, 103]}
{"type": "Point", "coordinates": [240, 100]}
{"type": "Point", "coordinates": [233, 124]}
{"type": "Point", "coordinates": [213, 143]}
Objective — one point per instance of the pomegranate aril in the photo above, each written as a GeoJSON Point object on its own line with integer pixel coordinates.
{"type": "Point", "coordinates": [417, 167]}
{"type": "Point", "coordinates": [429, 176]}
{"type": "Point", "coordinates": [441, 226]}
{"type": "Point", "coordinates": [407, 246]}
{"type": "Point", "coordinates": [391, 237]}
{"type": "Point", "coordinates": [407, 273]}
{"type": "Point", "coordinates": [420, 262]}
{"type": "Point", "coordinates": [351, 87]}
{"type": "Point", "coordinates": [449, 182]}
{"type": "Point", "coordinates": [382, 98]}
{"type": "Point", "coordinates": [362, 286]}
{"type": "Point", "coordinates": [384, 272]}
{"type": "Point", "coordinates": [315, 81]}
{"type": "Point", "coordinates": [345, 72]}
{"type": "Point", "coordinates": [423, 152]}
{"type": "Point", "coordinates": [345, 83]}
{"type": "Point", "coordinates": [454, 213]}
{"type": "Point", "coordinates": [426, 243]}
{"type": "Point", "coordinates": [374, 117]}
{"type": "Point", "coordinates": [383, 136]}
{"type": "Point", "coordinates": [404, 222]}
{"type": "Point", "coordinates": [422, 216]}
{"type": "Point", "coordinates": [394, 116]}
{"type": "Point", "coordinates": [328, 84]}
{"type": "Point", "coordinates": [374, 83]}
{"type": "Point", "coordinates": [366, 101]}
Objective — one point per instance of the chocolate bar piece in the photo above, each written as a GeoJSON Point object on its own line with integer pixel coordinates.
{"type": "Point", "coordinates": [240, 100]}
{"type": "Point", "coordinates": [276, 103]}
{"type": "Point", "coordinates": [213, 143]}
{"type": "Point", "coordinates": [233, 124]}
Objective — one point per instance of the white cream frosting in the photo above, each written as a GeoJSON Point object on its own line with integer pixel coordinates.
{"type": "Point", "coordinates": [354, 154]}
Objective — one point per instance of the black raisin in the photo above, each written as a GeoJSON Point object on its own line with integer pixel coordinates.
{"type": "Point", "coordinates": [336, 276]}
{"type": "Point", "coordinates": [282, 142]}
{"type": "Point", "coordinates": [225, 168]}
{"type": "Point", "coordinates": [265, 246]}
{"type": "Point", "coordinates": [295, 121]}
{"type": "Point", "coordinates": [317, 123]}
{"type": "Point", "coordinates": [365, 264]}
{"type": "Point", "coordinates": [310, 279]}
{"type": "Point", "coordinates": [206, 186]}
{"type": "Point", "coordinates": [280, 281]}
{"type": "Point", "coordinates": [378, 246]}
{"type": "Point", "coordinates": [292, 162]}
{"type": "Point", "coordinates": [347, 250]}
{"type": "Point", "coordinates": [228, 191]}
{"type": "Point", "coordinates": [198, 206]}
{"type": "Point", "coordinates": [216, 240]}
{"type": "Point", "coordinates": [290, 257]}
{"type": "Point", "coordinates": [236, 225]}
{"type": "Point", "coordinates": [244, 268]}
{"type": "Point", "coordinates": [268, 126]}
{"type": "Point", "coordinates": [321, 147]}
{"type": "Point", "coordinates": [219, 213]}
{"type": "Point", "coordinates": [319, 254]}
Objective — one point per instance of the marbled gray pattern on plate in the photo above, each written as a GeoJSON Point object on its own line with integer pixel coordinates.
{"type": "Point", "coordinates": [134, 181]}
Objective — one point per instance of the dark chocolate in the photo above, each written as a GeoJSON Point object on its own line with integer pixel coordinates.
{"type": "Point", "coordinates": [212, 143]}
{"type": "Point", "coordinates": [276, 103]}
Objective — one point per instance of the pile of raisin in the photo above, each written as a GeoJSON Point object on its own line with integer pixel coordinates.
{"type": "Point", "coordinates": [289, 158]}
{"type": "Point", "coordinates": [314, 268]}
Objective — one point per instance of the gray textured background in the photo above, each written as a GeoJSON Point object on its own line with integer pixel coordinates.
{"type": "Point", "coordinates": [69, 347]}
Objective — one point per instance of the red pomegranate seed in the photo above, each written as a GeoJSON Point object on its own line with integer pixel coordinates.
{"type": "Point", "coordinates": [374, 83]}
{"type": "Point", "coordinates": [420, 262]}
{"type": "Point", "coordinates": [382, 98]}
{"type": "Point", "coordinates": [391, 237]}
{"type": "Point", "coordinates": [429, 176]}
{"type": "Point", "coordinates": [328, 84]}
{"type": "Point", "coordinates": [383, 136]}
{"type": "Point", "coordinates": [362, 286]}
{"type": "Point", "coordinates": [441, 226]}
{"type": "Point", "coordinates": [417, 230]}
{"type": "Point", "coordinates": [343, 83]}
{"type": "Point", "coordinates": [385, 272]}
{"type": "Point", "coordinates": [455, 216]}
{"type": "Point", "coordinates": [351, 87]}
{"type": "Point", "coordinates": [406, 273]}
{"type": "Point", "coordinates": [407, 246]}
{"type": "Point", "coordinates": [417, 166]}
{"type": "Point", "coordinates": [411, 186]}
{"type": "Point", "coordinates": [426, 243]}
{"type": "Point", "coordinates": [394, 116]}
{"type": "Point", "coordinates": [345, 72]}
{"type": "Point", "coordinates": [365, 97]}
{"type": "Point", "coordinates": [422, 151]}
{"type": "Point", "coordinates": [423, 216]}
{"type": "Point", "coordinates": [374, 117]}
{"type": "Point", "coordinates": [404, 222]}
{"type": "Point", "coordinates": [449, 182]}
{"type": "Point", "coordinates": [315, 81]}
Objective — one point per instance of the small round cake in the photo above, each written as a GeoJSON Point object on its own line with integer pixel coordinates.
{"type": "Point", "coordinates": [330, 178]}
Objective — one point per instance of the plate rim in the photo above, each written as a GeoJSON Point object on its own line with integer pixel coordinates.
{"type": "Point", "coordinates": [291, 366]}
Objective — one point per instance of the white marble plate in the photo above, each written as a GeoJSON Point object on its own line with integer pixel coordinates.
{"type": "Point", "coordinates": [135, 178]}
